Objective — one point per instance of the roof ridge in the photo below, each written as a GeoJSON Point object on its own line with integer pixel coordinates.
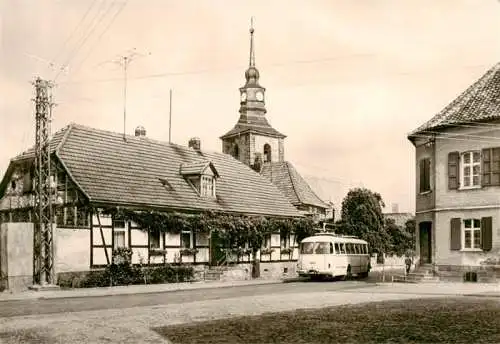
{"type": "Point", "coordinates": [292, 181]}
{"type": "Point", "coordinates": [68, 129]}
{"type": "Point", "coordinates": [305, 183]}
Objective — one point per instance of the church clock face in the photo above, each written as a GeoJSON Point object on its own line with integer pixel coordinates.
{"type": "Point", "coordinates": [243, 96]}
{"type": "Point", "coordinates": [260, 96]}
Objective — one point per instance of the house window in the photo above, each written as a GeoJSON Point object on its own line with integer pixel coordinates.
{"type": "Point", "coordinates": [472, 234]}
{"type": "Point", "coordinates": [186, 239]}
{"type": "Point", "coordinates": [425, 175]}
{"type": "Point", "coordinates": [207, 186]}
{"type": "Point", "coordinates": [471, 169]}
{"type": "Point", "coordinates": [119, 238]}
{"type": "Point", "coordinates": [267, 153]}
{"type": "Point", "coordinates": [119, 233]}
{"type": "Point", "coordinates": [154, 239]}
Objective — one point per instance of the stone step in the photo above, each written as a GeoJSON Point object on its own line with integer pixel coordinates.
{"type": "Point", "coordinates": [413, 278]}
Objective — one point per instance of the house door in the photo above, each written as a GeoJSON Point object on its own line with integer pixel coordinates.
{"type": "Point", "coordinates": [217, 254]}
{"type": "Point", "coordinates": [425, 236]}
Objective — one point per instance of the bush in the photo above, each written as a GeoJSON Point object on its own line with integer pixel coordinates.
{"type": "Point", "coordinates": [127, 274]}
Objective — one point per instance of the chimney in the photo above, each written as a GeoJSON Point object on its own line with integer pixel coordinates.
{"type": "Point", "coordinates": [195, 143]}
{"type": "Point", "coordinates": [140, 131]}
{"type": "Point", "coordinates": [395, 208]}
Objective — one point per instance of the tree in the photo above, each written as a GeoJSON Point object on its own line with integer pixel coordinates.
{"type": "Point", "coordinates": [362, 216]}
{"type": "Point", "coordinates": [402, 237]}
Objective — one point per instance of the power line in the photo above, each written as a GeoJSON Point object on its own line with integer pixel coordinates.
{"type": "Point", "coordinates": [74, 30]}
{"type": "Point", "coordinates": [124, 4]}
{"type": "Point", "coordinates": [96, 20]}
{"type": "Point", "coordinates": [204, 71]}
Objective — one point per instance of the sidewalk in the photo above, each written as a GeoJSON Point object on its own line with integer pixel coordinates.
{"type": "Point", "coordinates": [440, 288]}
{"type": "Point", "coordinates": [131, 289]}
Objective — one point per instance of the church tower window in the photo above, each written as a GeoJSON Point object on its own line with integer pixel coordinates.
{"type": "Point", "coordinates": [236, 152]}
{"type": "Point", "coordinates": [267, 153]}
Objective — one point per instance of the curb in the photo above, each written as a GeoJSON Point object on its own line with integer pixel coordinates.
{"type": "Point", "coordinates": [110, 291]}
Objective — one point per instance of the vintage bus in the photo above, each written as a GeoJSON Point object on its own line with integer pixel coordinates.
{"type": "Point", "coordinates": [332, 255]}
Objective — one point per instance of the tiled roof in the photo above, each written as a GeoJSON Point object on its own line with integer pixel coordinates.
{"type": "Point", "coordinates": [143, 172]}
{"type": "Point", "coordinates": [55, 141]}
{"type": "Point", "coordinates": [479, 102]}
{"type": "Point", "coordinates": [253, 123]}
{"type": "Point", "coordinates": [197, 168]}
{"type": "Point", "coordinates": [291, 183]}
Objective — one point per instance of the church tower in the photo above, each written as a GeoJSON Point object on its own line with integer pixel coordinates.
{"type": "Point", "coordinates": [252, 140]}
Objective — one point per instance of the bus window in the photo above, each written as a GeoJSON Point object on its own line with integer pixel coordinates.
{"type": "Point", "coordinates": [337, 248]}
{"type": "Point", "coordinates": [348, 248]}
{"type": "Point", "coordinates": [342, 248]}
{"type": "Point", "coordinates": [322, 248]}
{"type": "Point", "coordinates": [358, 249]}
{"type": "Point", "coordinates": [307, 248]}
{"type": "Point", "coordinates": [365, 249]}
{"type": "Point", "coordinates": [331, 249]}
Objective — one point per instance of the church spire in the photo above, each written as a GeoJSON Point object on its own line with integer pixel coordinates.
{"type": "Point", "coordinates": [252, 74]}
{"type": "Point", "coordinates": [251, 62]}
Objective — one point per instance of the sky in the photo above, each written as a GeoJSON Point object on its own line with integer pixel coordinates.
{"type": "Point", "coordinates": [345, 80]}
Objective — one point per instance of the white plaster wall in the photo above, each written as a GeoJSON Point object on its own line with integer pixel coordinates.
{"type": "Point", "coordinates": [72, 247]}
{"type": "Point", "coordinates": [107, 234]}
{"type": "Point", "coordinates": [203, 255]}
{"type": "Point", "coordinates": [100, 257]}
{"type": "Point", "coordinates": [460, 198]}
{"type": "Point", "coordinates": [105, 220]}
{"type": "Point", "coordinates": [445, 256]}
{"type": "Point", "coordinates": [172, 239]}
{"type": "Point", "coordinates": [16, 246]}
{"type": "Point", "coordinates": [260, 141]}
{"type": "Point", "coordinates": [139, 237]}
{"type": "Point", "coordinates": [138, 254]}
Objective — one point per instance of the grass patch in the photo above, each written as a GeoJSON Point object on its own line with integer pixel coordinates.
{"type": "Point", "coordinates": [437, 320]}
{"type": "Point", "coordinates": [31, 335]}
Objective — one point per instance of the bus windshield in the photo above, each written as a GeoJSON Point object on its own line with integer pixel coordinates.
{"type": "Point", "coordinates": [315, 248]}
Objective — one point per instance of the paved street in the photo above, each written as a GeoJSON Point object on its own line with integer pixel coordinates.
{"type": "Point", "coordinates": [130, 318]}
{"type": "Point", "coordinates": [76, 304]}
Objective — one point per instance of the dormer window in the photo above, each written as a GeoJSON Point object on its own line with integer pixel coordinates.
{"type": "Point", "coordinates": [202, 176]}
{"type": "Point", "coordinates": [207, 186]}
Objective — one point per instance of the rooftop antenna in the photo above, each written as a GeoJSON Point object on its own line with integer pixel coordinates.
{"type": "Point", "coordinates": [124, 61]}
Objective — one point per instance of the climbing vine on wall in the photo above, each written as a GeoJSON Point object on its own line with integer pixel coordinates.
{"type": "Point", "coordinates": [235, 230]}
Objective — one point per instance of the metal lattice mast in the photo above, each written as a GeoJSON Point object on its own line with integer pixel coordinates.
{"type": "Point", "coordinates": [43, 258]}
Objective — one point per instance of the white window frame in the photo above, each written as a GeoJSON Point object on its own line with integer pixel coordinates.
{"type": "Point", "coordinates": [472, 229]}
{"type": "Point", "coordinates": [151, 235]}
{"type": "Point", "coordinates": [207, 186]}
{"type": "Point", "coordinates": [471, 166]}
{"type": "Point", "coordinates": [120, 230]}
{"type": "Point", "coordinates": [191, 244]}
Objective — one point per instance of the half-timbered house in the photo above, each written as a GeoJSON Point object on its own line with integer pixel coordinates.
{"type": "Point", "coordinates": [93, 170]}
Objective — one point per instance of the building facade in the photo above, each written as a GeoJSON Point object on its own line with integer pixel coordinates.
{"type": "Point", "coordinates": [457, 165]}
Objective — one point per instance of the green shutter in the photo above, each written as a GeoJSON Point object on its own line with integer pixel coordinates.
{"type": "Point", "coordinates": [486, 233]}
{"type": "Point", "coordinates": [453, 170]}
{"type": "Point", "coordinates": [455, 234]}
